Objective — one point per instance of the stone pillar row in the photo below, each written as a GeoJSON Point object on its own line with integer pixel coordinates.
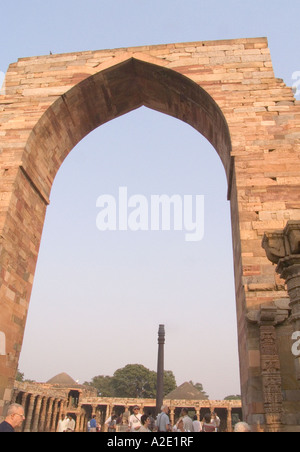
{"type": "Point", "coordinates": [42, 413]}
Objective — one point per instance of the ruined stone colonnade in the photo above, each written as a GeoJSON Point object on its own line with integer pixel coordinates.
{"type": "Point", "coordinates": [227, 91]}
{"type": "Point", "coordinates": [44, 404]}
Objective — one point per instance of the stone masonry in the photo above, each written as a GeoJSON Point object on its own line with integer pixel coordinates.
{"type": "Point", "coordinates": [227, 91]}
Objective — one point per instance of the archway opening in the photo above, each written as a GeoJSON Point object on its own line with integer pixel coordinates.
{"type": "Point", "coordinates": [134, 280]}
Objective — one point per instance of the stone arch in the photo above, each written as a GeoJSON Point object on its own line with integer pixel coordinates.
{"type": "Point", "coordinates": [227, 90]}
{"type": "Point", "coordinates": [98, 98]}
{"type": "Point", "coordinates": [123, 86]}
{"type": "Point", "coordinates": [114, 92]}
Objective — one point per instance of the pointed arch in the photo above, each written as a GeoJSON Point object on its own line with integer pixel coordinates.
{"type": "Point", "coordinates": [110, 93]}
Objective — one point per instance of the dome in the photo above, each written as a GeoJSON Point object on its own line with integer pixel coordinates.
{"type": "Point", "coordinates": [62, 379]}
{"type": "Point", "coordinates": [186, 392]}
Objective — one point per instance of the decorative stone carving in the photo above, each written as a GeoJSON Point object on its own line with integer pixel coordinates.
{"type": "Point", "coordinates": [283, 248]}
{"type": "Point", "coordinates": [282, 244]}
{"type": "Point", "coordinates": [267, 319]}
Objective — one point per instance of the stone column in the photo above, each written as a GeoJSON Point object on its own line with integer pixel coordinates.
{"type": "Point", "coordinates": [77, 423]}
{"type": "Point", "coordinates": [160, 369]}
{"type": "Point", "coordinates": [82, 422]}
{"type": "Point", "coordinates": [98, 415]}
{"type": "Point", "coordinates": [229, 420]}
{"type": "Point", "coordinates": [267, 318]}
{"type": "Point", "coordinates": [23, 401]}
{"type": "Point", "coordinates": [54, 417]}
{"type": "Point", "coordinates": [49, 414]}
{"type": "Point", "coordinates": [29, 413]}
{"type": "Point", "coordinates": [43, 415]}
{"type": "Point", "coordinates": [270, 368]}
{"type": "Point", "coordinates": [65, 407]}
{"type": "Point", "coordinates": [172, 415]}
{"type": "Point", "coordinates": [109, 412]}
{"type": "Point", "coordinates": [36, 418]}
{"type": "Point", "coordinates": [283, 249]}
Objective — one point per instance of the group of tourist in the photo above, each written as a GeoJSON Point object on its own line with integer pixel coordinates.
{"type": "Point", "coordinates": [210, 422]}
{"type": "Point", "coordinates": [146, 423]}
{"type": "Point", "coordinates": [66, 424]}
{"type": "Point", "coordinates": [185, 423]}
{"type": "Point", "coordinates": [136, 422]}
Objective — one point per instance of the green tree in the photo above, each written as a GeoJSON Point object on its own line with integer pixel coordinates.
{"type": "Point", "coordinates": [233, 397]}
{"type": "Point", "coordinates": [134, 380]}
{"type": "Point", "coordinates": [169, 382]}
{"type": "Point", "coordinates": [103, 384]}
{"type": "Point", "coordinates": [19, 376]}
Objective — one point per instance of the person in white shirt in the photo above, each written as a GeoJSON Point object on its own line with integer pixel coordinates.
{"type": "Point", "coordinates": [70, 425]}
{"type": "Point", "coordinates": [196, 424]}
{"type": "Point", "coordinates": [187, 421]}
{"type": "Point", "coordinates": [134, 422]}
{"type": "Point", "coordinates": [215, 420]}
{"type": "Point", "coordinates": [62, 424]}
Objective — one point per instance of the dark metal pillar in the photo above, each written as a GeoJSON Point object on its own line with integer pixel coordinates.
{"type": "Point", "coordinates": [160, 369]}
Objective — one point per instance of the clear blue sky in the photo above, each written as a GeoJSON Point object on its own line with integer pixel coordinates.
{"type": "Point", "coordinates": [98, 297]}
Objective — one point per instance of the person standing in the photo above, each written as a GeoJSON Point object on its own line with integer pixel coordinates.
{"type": "Point", "coordinates": [71, 424]}
{"type": "Point", "coordinates": [187, 421]}
{"type": "Point", "coordinates": [62, 424]}
{"type": "Point", "coordinates": [163, 420]}
{"type": "Point", "coordinates": [14, 418]}
{"type": "Point", "coordinates": [196, 424]}
{"type": "Point", "coordinates": [152, 422]}
{"type": "Point", "coordinates": [207, 426]}
{"type": "Point", "coordinates": [145, 421]}
{"type": "Point", "coordinates": [135, 420]}
{"type": "Point", "coordinates": [93, 424]}
{"type": "Point", "coordinates": [215, 420]}
{"type": "Point", "coordinates": [112, 426]}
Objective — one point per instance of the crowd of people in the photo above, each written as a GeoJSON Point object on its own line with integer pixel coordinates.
{"type": "Point", "coordinates": [146, 423]}
{"type": "Point", "coordinates": [136, 422]}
